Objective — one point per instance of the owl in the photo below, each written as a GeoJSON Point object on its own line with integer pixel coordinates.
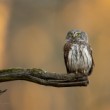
{"type": "Point", "coordinates": [78, 53]}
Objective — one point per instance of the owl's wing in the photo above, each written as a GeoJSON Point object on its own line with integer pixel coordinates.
{"type": "Point", "coordinates": [90, 52]}
{"type": "Point", "coordinates": [67, 48]}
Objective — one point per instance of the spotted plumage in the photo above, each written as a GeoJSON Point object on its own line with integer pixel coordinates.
{"type": "Point", "coordinates": [78, 53]}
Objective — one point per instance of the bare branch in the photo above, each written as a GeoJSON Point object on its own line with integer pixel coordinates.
{"type": "Point", "coordinates": [44, 78]}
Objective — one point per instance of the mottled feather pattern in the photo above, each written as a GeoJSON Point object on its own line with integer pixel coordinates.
{"type": "Point", "coordinates": [78, 58]}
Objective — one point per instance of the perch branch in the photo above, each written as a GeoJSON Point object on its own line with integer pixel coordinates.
{"type": "Point", "coordinates": [43, 77]}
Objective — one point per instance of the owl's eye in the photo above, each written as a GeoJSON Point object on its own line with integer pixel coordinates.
{"type": "Point", "coordinates": [70, 35]}
{"type": "Point", "coordinates": [78, 34]}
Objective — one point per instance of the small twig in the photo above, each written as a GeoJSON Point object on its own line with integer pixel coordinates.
{"type": "Point", "coordinates": [2, 91]}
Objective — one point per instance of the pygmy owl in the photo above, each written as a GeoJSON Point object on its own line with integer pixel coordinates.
{"type": "Point", "coordinates": [78, 53]}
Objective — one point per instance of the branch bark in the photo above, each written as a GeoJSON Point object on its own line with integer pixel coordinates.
{"type": "Point", "coordinates": [43, 77]}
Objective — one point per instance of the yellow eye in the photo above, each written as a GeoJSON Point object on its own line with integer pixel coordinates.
{"type": "Point", "coordinates": [78, 34]}
{"type": "Point", "coordinates": [70, 35]}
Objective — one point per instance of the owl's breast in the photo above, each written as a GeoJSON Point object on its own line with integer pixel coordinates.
{"type": "Point", "coordinates": [79, 58]}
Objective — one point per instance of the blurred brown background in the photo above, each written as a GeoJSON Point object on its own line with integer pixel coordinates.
{"type": "Point", "coordinates": [32, 34]}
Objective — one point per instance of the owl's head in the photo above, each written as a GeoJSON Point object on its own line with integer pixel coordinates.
{"type": "Point", "coordinates": [76, 35]}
